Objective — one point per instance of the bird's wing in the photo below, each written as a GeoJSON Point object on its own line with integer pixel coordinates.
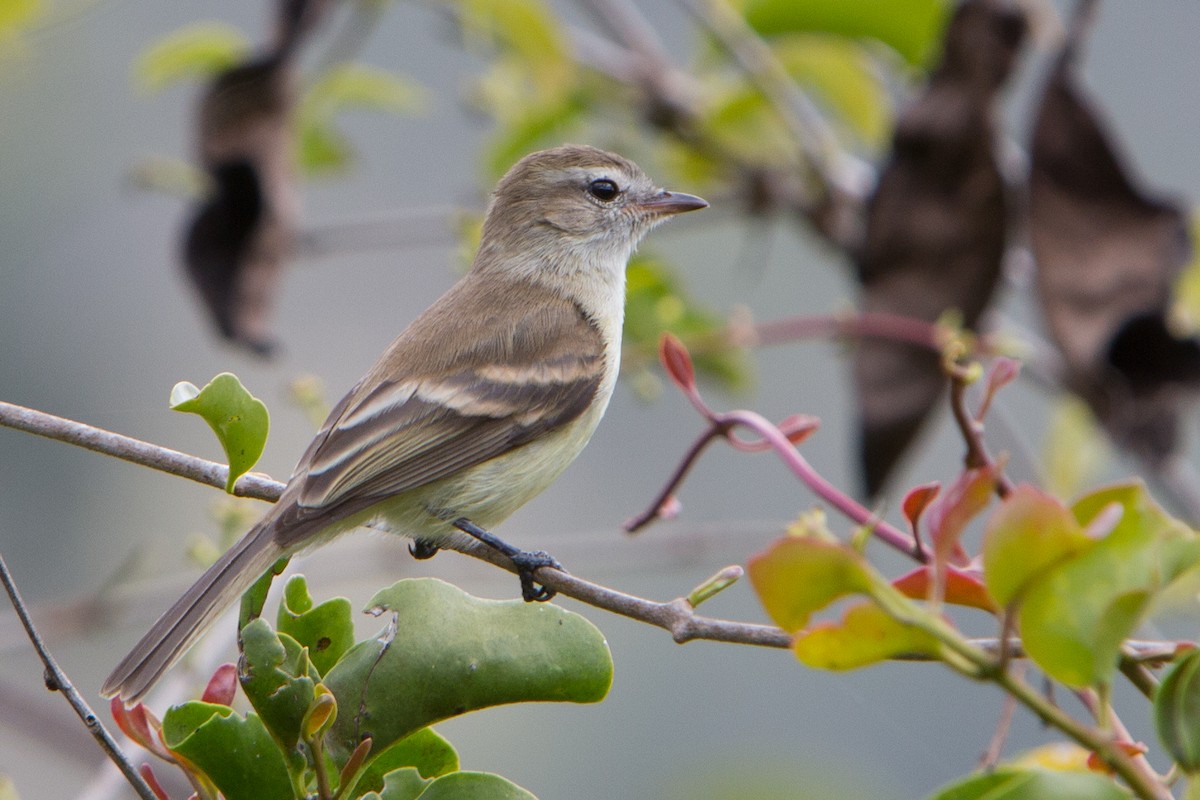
{"type": "Point", "coordinates": [443, 409]}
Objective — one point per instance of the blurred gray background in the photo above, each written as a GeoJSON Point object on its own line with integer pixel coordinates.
{"type": "Point", "coordinates": [96, 324]}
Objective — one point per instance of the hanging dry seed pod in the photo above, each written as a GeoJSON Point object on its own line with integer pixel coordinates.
{"type": "Point", "coordinates": [936, 227]}
{"type": "Point", "coordinates": [1107, 254]}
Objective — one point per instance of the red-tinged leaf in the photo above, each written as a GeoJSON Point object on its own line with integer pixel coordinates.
{"type": "Point", "coordinates": [1003, 372]}
{"type": "Point", "coordinates": [950, 513]}
{"type": "Point", "coordinates": [962, 587]}
{"type": "Point", "coordinates": [1131, 749]}
{"type": "Point", "coordinates": [142, 727]}
{"type": "Point", "coordinates": [221, 686]}
{"type": "Point", "coordinates": [677, 362]}
{"type": "Point", "coordinates": [799, 427]}
{"type": "Point", "coordinates": [917, 499]}
{"type": "Point", "coordinates": [798, 575]}
{"type": "Point", "coordinates": [1029, 533]}
{"type": "Point", "coordinates": [866, 635]}
{"type": "Point", "coordinates": [152, 781]}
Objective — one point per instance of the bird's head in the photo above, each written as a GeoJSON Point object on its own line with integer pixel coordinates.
{"type": "Point", "coordinates": [579, 207]}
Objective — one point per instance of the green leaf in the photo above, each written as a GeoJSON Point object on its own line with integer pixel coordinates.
{"type": "Point", "coordinates": [910, 27]}
{"type": "Point", "coordinates": [657, 303]}
{"type": "Point", "coordinates": [536, 127]}
{"type": "Point", "coordinates": [866, 635]}
{"type": "Point", "coordinates": [1074, 618]}
{"type": "Point", "coordinates": [842, 75]}
{"type": "Point", "coordinates": [351, 86]}
{"type": "Point", "coordinates": [402, 784]}
{"type": "Point", "coordinates": [239, 419]}
{"type": "Point", "coordinates": [1018, 783]}
{"type": "Point", "coordinates": [530, 34]}
{"type": "Point", "coordinates": [235, 752]}
{"type": "Point", "coordinates": [15, 15]}
{"type": "Point", "coordinates": [425, 751]}
{"type": "Point", "coordinates": [1027, 534]}
{"type": "Point", "coordinates": [447, 653]}
{"type": "Point", "coordinates": [797, 576]}
{"type": "Point", "coordinates": [1177, 712]}
{"type": "Point", "coordinates": [323, 148]}
{"type": "Point", "coordinates": [198, 50]}
{"type": "Point", "coordinates": [1075, 449]}
{"type": "Point", "coordinates": [474, 786]}
{"type": "Point", "coordinates": [278, 680]}
{"type": "Point", "coordinates": [1185, 309]}
{"type": "Point", "coordinates": [326, 630]}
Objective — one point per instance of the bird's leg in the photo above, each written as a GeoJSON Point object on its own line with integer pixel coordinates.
{"type": "Point", "coordinates": [526, 562]}
{"type": "Point", "coordinates": [421, 549]}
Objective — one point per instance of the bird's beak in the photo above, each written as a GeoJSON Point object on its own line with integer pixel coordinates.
{"type": "Point", "coordinates": [672, 203]}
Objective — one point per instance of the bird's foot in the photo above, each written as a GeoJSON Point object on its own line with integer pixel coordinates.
{"type": "Point", "coordinates": [527, 563]}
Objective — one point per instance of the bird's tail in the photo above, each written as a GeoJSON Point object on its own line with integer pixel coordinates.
{"type": "Point", "coordinates": [192, 614]}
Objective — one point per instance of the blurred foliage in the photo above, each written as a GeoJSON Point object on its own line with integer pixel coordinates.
{"type": "Point", "coordinates": [656, 303]}
{"type": "Point", "coordinates": [910, 27]}
{"type": "Point", "coordinates": [323, 148]}
{"type": "Point", "coordinates": [15, 17]}
{"type": "Point", "coordinates": [194, 52]}
{"type": "Point", "coordinates": [203, 50]}
{"type": "Point", "coordinates": [1074, 450]}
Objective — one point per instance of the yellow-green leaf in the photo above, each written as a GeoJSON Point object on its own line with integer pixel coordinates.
{"type": "Point", "coordinates": [198, 50]}
{"type": "Point", "coordinates": [1028, 533]}
{"type": "Point", "coordinates": [359, 86]}
{"type": "Point", "coordinates": [841, 74]}
{"type": "Point", "coordinates": [1075, 449]}
{"type": "Point", "coordinates": [797, 576]}
{"type": "Point", "coordinates": [910, 27]}
{"type": "Point", "coordinates": [866, 635]}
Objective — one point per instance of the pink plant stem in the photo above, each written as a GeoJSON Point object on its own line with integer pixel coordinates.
{"type": "Point", "coordinates": [799, 466]}
{"type": "Point", "coordinates": [877, 325]}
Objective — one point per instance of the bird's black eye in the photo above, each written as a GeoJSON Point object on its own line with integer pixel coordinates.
{"type": "Point", "coordinates": [603, 190]}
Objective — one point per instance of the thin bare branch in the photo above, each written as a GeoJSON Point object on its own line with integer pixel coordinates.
{"type": "Point", "coordinates": [57, 681]}
{"type": "Point", "coordinates": [127, 448]}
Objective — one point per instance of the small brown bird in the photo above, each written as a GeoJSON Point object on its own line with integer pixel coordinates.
{"type": "Point", "coordinates": [476, 407]}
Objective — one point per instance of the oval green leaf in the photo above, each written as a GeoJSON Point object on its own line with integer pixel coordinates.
{"type": "Point", "coordinates": [238, 418]}
{"type": "Point", "coordinates": [1027, 534]}
{"type": "Point", "coordinates": [447, 653]}
{"type": "Point", "coordinates": [236, 753]}
{"type": "Point", "coordinates": [1018, 783]}
{"type": "Point", "coordinates": [474, 786]}
{"type": "Point", "coordinates": [1177, 712]}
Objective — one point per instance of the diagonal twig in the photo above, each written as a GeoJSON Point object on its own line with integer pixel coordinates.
{"type": "Point", "coordinates": [57, 681]}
